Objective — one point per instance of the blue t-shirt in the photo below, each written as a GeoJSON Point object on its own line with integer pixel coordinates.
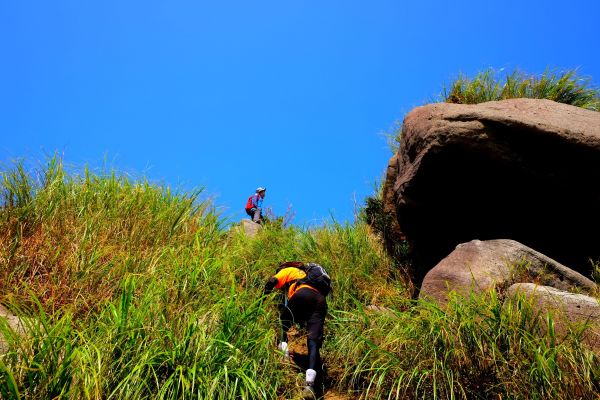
{"type": "Point", "coordinates": [257, 201]}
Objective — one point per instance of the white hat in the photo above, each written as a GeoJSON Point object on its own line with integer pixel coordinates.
{"type": "Point", "coordinates": [260, 189]}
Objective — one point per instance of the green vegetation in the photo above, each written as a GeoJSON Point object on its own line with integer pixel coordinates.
{"type": "Point", "coordinates": [134, 291]}
{"type": "Point", "coordinates": [477, 348]}
{"type": "Point", "coordinates": [562, 87]}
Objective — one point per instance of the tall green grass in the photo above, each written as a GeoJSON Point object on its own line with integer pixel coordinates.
{"type": "Point", "coordinates": [133, 291]}
{"type": "Point", "coordinates": [70, 238]}
{"type": "Point", "coordinates": [491, 85]}
{"type": "Point", "coordinates": [478, 347]}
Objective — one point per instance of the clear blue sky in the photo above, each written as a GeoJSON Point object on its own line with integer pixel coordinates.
{"type": "Point", "coordinates": [292, 95]}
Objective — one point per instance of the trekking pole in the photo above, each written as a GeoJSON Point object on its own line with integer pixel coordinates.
{"type": "Point", "coordinates": [285, 303]}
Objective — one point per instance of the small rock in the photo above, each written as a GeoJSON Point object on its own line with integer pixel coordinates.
{"type": "Point", "coordinates": [14, 323]}
{"type": "Point", "coordinates": [250, 228]}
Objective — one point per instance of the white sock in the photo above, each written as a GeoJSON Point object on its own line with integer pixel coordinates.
{"type": "Point", "coordinates": [311, 374]}
{"type": "Point", "coordinates": [283, 346]}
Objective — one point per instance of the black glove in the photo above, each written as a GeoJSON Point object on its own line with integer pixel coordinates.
{"type": "Point", "coordinates": [270, 285]}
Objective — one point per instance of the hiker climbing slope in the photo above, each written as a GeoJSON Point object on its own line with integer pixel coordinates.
{"type": "Point", "coordinates": [254, 205]}
{"type": "Point", "coordinates": [306, 286]}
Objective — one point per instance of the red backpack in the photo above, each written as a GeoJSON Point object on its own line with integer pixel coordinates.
{"type": "Point", "coordinates": [249, 202]}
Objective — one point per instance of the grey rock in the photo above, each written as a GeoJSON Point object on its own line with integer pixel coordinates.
{"type": "Point", "coordinates": [250, 228]}
{"type": "Point", "coordinates": [568, 309]}
{"type": "Point", "coordinates": [14, 323]}
{"type": "Point", "coordinates": [478, 266]}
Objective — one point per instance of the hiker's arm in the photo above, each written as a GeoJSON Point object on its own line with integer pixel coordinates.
{"type": "Point", "coordinates": [279, 280]}
{"type": "Point", "coordinates": [271, 283]}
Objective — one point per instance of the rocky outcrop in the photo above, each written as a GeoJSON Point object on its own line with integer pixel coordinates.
{"type": "Point", "coordinates": [524, 169]}
{"type": "Point", "coordinates": [478, 266]}
{"type": "Point", "coordinates": [568, 309]}
{"type": "Point", "coordinates": [389, 205]}
{"type": "Point", "coordinates": [250, 228]}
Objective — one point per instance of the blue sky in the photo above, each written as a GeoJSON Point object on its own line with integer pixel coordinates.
{"type": "Point", "coordinates": [291, 95]}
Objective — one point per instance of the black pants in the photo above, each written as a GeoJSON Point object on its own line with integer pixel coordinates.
{"type": "Point", "coordinates": [308, 307]}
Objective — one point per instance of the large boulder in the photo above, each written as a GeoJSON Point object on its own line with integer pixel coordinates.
{"type": "Point", "coordinates": [478, 266]}
{"type": "Point", "coordinates": [525, 169]}
{"type": "Point", "coordinates": [568, 309]}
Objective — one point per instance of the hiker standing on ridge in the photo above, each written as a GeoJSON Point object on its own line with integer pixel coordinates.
{"type": "Point", "coordinates": [306, 286]}
{"type": "Point", "coordinates": [254, 205]}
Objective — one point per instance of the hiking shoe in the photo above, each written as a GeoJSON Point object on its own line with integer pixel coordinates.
{"type": "Point", "coordinates": [308, 393]}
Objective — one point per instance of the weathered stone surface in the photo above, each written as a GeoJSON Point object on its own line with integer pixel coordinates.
{"type": "Point", "coordinates": [478, 266]}
{"type": "Point", "coordinates": [524, 169]}
{"type": "Point", "coordinates": [250, 228]}
{"type": "Point", "coordinates": [567, 308]}
{"type": "Point", "coordinates": [13, 322]}
{"type": "Point", "coordinates": [389, 206]}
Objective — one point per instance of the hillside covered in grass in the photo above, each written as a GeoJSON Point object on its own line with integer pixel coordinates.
{"type": "Point", "coordinates": [129, 290]}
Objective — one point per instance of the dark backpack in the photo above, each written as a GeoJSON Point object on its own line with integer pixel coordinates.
{"type": "Point", "coordinates": [316, 277]}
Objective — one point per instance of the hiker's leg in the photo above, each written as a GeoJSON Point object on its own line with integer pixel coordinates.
{"type": "Point", "coordinates": [257, 215]}
{"type": "Point", "coordinates": [314, 343]}
{"type": "Point", "coordinates": [315, 326]}
{"type": "Point", "coordinates": [250, 212]}
{"type": "Point", "coordinates": [295, 312]}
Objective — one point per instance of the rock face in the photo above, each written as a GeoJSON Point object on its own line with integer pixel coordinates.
{"type": "Point", "coordinates": [524, 169]}
{"type": "Point", "coordinates": [389, 204]}
{"type": "Point", "coordinates": [479, 266]}
{"type": "Point", "coordinates": [567, 308]}
{"type": "Point", "coordinates": [250, 228]}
